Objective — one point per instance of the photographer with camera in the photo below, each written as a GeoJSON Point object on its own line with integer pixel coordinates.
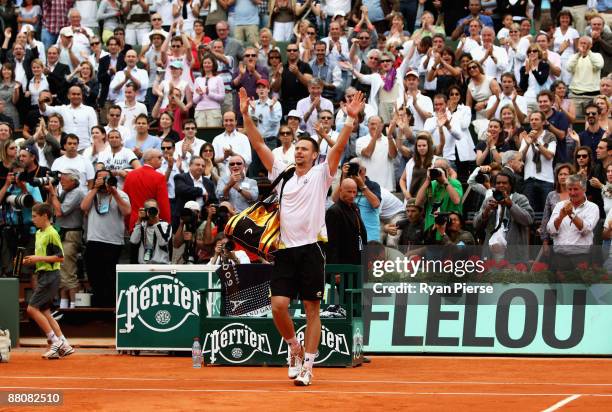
{"type": "Point", "coordinates": [28, 158]}
{"type": "Point", "coordinates": [368, 196]}
{"type": "Point", "coordinates": [106, 208]}
{"type": "Point", "coordinates": [185, 247]}
{"type": "Point", "coordinates": [17, 198]}
{"type": "Point", "coordinates": [505, 216]}
{"type": "Point", "coordinates": [192, 185]}
{"type": "Point", "coordinates": [441, 192]}
{"type": "Point", "coordinates": [69, 218]}
{"type": "Point", "coordinates": [225, 251]}
{"type": "Point", "coordinates": [152, 234]}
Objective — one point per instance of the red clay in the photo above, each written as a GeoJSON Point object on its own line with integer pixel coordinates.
{"type": "Point", "coordinates": [139, 383]}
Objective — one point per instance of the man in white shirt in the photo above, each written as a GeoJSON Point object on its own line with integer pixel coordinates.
{"type": "Point", "coordinates": [78, 118]}
{"type": "Point", "coordinates": [429, 60]}
{"type": "Point", "coordinates": [231, 141]}
{"type": "Point", "coordinates": [538, 151]}
{"type": "Point", "coordinates": [377, 153]}
{"type": "Point", "coordinates": [73, 160]}
{"type": "Point", "coordinates": [130, 108]}
{"type": "Point", "coordinates": [507, 96]}
{"type": "Point", "coordinates": [571, 226]}
{"type": "Point", "coordinates": [309, 107]}
{"type": "Point", "coordinates": [119, 160]}
{"type": "Point", "coordinates": [445, 131]}
{"type": "Point", "coordinates": [337, 45]}
{"type": "Point", "coordinates": [420, 105]}
{"type": "Point", "coordinates": [132, 74]}
{"type": "Point", "coordinates": [190, 145]}
{"type": "Point", "coordinates": [114, 116]}
{"type": "Point", "coordinates": [324, 135]}
{"type": "Point", "coordinates": [169, 168]}
{"type": "Point", "coordinates": [82, 34]}
{"type": "Point", "coordinates": [492, 58]}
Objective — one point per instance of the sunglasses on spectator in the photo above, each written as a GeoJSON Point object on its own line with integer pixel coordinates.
{"type": "Point", "coordinates": [582, 156]}
{"type": "Point", "coordinates": [235, 164]}
{"type": "Point", "coordinates": [94, 43]}
{"type": "Point", "coordinates": [363, 38]}
{"type": "Point", "coordinates": [385, 61]}
{"type": "Point", "coordinates": [189, 128]}
{"type": "Point", "coordinates": [292, 50]}
{"type": "Point", "coordinates": [591, 113]}
{"type": "Point", "coordinates": [166, 147]}
{"type": "Point", "coordinates": [311, 33]}
{"type": "Point", "coordinates": [113, 115]}
{"type": "Point", "coordinates": [177, 46]}
{"type": "Point", "coordinates": [156, 19]}
{"type": "Point", "coordinates": [285, 133]}
{"type": "Point", "coordinates": [472, 67]}
{"type": "Point", "coordinates": [532, 51]}
{"type": "Point", "coordinates": [250, 55]}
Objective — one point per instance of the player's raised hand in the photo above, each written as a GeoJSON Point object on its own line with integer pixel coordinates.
{"type": "Point", "coordinates": [356, 105]}
{"type": "Point", "coordinates": [244, 101]}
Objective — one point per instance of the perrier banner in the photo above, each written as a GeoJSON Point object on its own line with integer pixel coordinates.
{"type": "Point", "coordinates": [158, 306]}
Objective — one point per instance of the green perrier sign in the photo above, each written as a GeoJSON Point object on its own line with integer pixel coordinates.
{"type": "Point", "coordinates": [158, 307]}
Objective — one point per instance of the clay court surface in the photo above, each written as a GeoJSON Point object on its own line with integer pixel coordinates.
{"type": "Point", "coordinates": [97, 382]}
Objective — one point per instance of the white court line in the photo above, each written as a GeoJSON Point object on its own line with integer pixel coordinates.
{"type": "Point", "coordinates": [318, 380]}
{"type": "Point", "coordinates": [561, 403]}
{"type": "Point", "coordinates": [295, 391]}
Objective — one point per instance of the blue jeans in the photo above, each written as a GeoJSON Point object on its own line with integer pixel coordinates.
{"type": "Point", "coordinates": [536, 192]}
{"type": "Point", "coordinates": [48, 38]}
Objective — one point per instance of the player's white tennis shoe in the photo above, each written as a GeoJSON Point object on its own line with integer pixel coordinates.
{"type": "Point", "coordinates": [304, 378]}
{"type": "Point", "coordinates": [296, 360]}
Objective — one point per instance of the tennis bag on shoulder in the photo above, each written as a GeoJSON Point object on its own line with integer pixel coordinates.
{"type": "Point", "coordinates": [257, 228]}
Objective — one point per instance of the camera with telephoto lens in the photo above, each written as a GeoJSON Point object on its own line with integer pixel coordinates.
{"type": "Point", "coordinates": [498, 195]}
{"type": "Point", "coordinates": [441, 219]}
{"type": "Point", "coordinates": [21, 201]}
{"type": "Point", "coordinates": [53, 178]}
{"type": "Point", "coordinates": [151, 212]}
{"type": "Point", "coordinates": [435, 173]}
{"type": "Point", "coordinates": [353, 169]}
{"type": "Point", "coordinates": [229, 246]}
{"type": "Point", "coordinates": [189, 219]}
{"type": "Point", "coordinates": [110, 180]}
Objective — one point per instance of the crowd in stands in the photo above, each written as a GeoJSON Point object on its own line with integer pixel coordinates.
{"type": "Point", "coordinates": [485, 123]}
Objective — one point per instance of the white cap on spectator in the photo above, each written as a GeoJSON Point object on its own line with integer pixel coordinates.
{"type": "Point", "coordinates": [177, 64]}
{"type": "Point", "coordinates": [158, 33]}
{"type": "Point", "coordinates": [193, 205]}
{"type": "Point", "coordinates": [412, 73]}
{"type": "Point", "coordinates": [66, 31]}
{"type": "Point", "coordinates": [294, 113]}
{"type": "Point", "coordinates": [338, 13]}
{"type": "Point", "coordinates": [26, 28]}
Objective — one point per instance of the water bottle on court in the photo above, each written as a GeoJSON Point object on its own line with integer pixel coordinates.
{"type": "Point", "coordinates": [196, 353]}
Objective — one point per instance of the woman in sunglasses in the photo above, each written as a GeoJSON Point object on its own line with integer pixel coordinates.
{"type": "Point", "coordinates": [584, 162]}
{"type": "Point", "coordinates": [386, 85]}
{"type": "Point", "coordinates": [480, 88]}
{"type": "Point", "coordinates": [534, 75]}
{"type": "Point", "coordinates": [275, 70]}
{"type": "Point", "coordinates": [211, 169]}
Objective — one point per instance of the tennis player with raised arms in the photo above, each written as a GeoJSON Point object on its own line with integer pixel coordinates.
{"type": "Point", "coordinates": [299, 265]}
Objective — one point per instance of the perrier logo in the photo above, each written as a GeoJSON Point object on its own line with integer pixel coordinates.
{"type": "Point", "coordinates": [330, 342]}
{"type": "Point", "coordinates": [236, 343]}
{"type": "Point", "coordinates": [161, 303]}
